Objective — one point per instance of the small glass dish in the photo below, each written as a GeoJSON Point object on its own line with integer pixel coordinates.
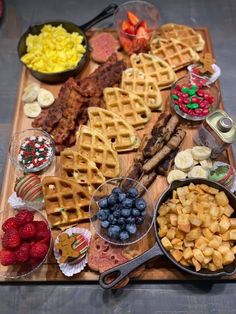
{"type": "Point", "coordinates": [36, 159]}
{"type": "Point", "coordinates": [136, 41]}
{"type": "Point", "coordinates": [125, 184]}
{"type": "Point", "coordinates": [23, 269]}
{"type": "Point", "coordinates": [201, 91]}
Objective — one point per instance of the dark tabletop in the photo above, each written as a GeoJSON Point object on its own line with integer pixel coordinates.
{"type": "Point", "coordinates": [220, 17]}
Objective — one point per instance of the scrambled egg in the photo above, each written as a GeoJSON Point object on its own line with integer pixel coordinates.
{"type": "Point", "coordinates": [53, 50]}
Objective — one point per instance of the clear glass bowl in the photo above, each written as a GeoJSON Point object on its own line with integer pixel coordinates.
{"type": "Point", "coordinates": [144, 11]}
{"type": "Point", "coordinates": [24, 269]}
{"type": "Point", "coordinates": [104, 190]}
{"type": "Point", "coordinates": [211, 90]}
{"type": "Point", "coordinates": [18, 139]}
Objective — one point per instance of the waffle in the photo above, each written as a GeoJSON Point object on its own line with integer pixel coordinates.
{"type": "Point", "coordinates": [121, 134]}
{"type": "Point", "coordinates": [144, 86]}
{"type": "Point", "coordinates": [173, 51]}
{"type": "Point", "coordinates": [95, 147]}
{"type": "Point", "coordinates": [155, 67]}
{"type": "Point", "coordinates": [183, 33]}
{"type": "Point", "coordinates": [66, 202]}
{"type": "Point", "coordinates": [129, 106]}
{"type": "Point", "coordinates": [80, 169]}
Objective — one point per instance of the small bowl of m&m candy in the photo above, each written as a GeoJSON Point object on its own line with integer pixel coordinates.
{"type": "Point", "coordinates": [121, 211]}
{"type": "Point", "coordinates": [192, 100]}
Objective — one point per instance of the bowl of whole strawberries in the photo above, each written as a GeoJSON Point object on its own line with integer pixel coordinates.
{"type": "Point", "coordinates": [25, 242]}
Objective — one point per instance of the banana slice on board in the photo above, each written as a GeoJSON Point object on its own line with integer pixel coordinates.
{"type": "Point", "coordinates": [184, 161]}
{"type": "Point", "coordinates": [201, 152]}
{"type": "Point", "coordinates": [206, 164]}
{"type": "Point", "coordinates": [198, 172]}
{"type": "Point", "coordinates": [175, 175]}
{"type": "Point", "coordinates": [31, 92]}
{"type": "Point", "coordinates": [45, 98]}
{"type": "Point", "coordinates": [32, 110]}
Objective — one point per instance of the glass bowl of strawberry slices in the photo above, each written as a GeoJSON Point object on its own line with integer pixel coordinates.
{"type": "Point", "coordinates": [25, 241]}
{"type": "Point", "coordinates": [135, 22]}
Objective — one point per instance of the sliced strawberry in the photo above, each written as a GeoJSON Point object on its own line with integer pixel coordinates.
{"type": "Point", "coordinates": [142, 33]}
{"type": "Point", "coordinates": [130, 30]}
{"type": "Point", "coordinates": [125, 25]}
{"type": "Point", "coordinates": [143, 23]}
{"type": "Point", "coordinates": [133, 19]}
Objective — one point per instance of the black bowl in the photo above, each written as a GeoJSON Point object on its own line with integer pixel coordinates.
{"type": "Point", "coordinates": [56, 77]}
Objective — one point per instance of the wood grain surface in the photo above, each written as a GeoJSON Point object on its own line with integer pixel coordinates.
{"type": "Point", "coordinates": [160, 269]}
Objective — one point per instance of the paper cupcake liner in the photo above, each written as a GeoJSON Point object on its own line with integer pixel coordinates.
{"type": "Point", "coordinates": [16, 201]}
{"type": "Point", "coordinates": [72, 269]}
{"type": "Point", "coordinates": [209, 80]}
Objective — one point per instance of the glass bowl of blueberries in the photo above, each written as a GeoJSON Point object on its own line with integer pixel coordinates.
{"type": "Point", "coordinates": [121, 211]}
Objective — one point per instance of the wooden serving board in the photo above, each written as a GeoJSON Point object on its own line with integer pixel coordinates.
{"type": "Point", "coordinates": [160, 269]}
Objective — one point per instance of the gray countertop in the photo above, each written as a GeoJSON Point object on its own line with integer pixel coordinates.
{"type": "Point", "coordinates": [220, 17]}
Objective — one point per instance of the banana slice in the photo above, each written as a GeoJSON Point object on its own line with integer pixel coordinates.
{"type": "Point", "coordinates": [201, 152]}
{"type": "Point", "coordinates": [206, 164]}
{"type": "Point", "coordinates": [188, 150]}
{"type": "Point", "coordinates": [45, 98]}
{"type": "Point", "coordinates": [32, 110]}
{"type": "Point", "coordinates": [198, 172]}
{"type": "Point", "coordinates": [30, 93]}
{"type": "Point", "coordinates": [175, 175]}
{"type": "Point", "coordinates": [184, 161]}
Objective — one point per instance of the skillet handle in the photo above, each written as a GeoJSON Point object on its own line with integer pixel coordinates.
{"type": "Point", "coordinates": [121, 271]}
{"type": "Point", "coordinates": [108, 11]}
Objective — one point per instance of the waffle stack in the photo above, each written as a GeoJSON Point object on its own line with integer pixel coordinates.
{"type": "Point", "coordinates": [119, 133]}
{"type": "Point", "coordinates": [76, 167]}
{"type": "Point", "coordinates": [176, 53]}
{"type": "Point", "coordinates": [144, 86]}
{"type": "Point", "coordinates": [184, 34]}
{"type": "Point", "coordinates": [128, 105]}
{"type": "Point", "coordinates": [66, 202]}
{"type": "Point", "coordinates": [155, 67]}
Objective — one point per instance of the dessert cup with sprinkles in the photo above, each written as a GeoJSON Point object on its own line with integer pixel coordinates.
{"type": "Point", "coordinates": [31, 150]}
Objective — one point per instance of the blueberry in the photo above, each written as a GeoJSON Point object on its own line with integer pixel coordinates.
{"type": "Point", "coordinates": [103, 203]}
{"type": "Point", "coordinates": [121, 221]}
{"type": "Point", "coordinates": [130, 220]}
{"type": "Point", "coordinates": [135, 212]}
{"type": "Point", "coordinates": [131, 228]}
{"type": "Point", "coordinates": [121, 197]}
{"type": "Point", "coordinates": [116, 213]}
{"type": "Point", "coordinates": [140, 204]}
{"type": "Point", "coordinates": [132, 192]}
{"type": "Point", "coordinates": [114, 207]}
{"type": "Point", "coordinates": [139, 220]}
{"type": "Point", "coordinates": [143, 214]}
{"type": "Point", "coordinates": [128, 203]}
{"type": "Point", "coordinates": [110, 218]}
{"type": "Point", "coordinates": [124, 235]}
{"type": "Point", "coordinates": [114, 221]}
{"type": "Point", "coordinates": [126, 212]}
{"type": "Point", "coordinates": [116, 191]}
{"type": "Point", "coordinates": [113, 232]}
{"type": "Point", "coordinates": [105, 224]}
{"type": "Point", "coordinates": [112, 199]}
{"type": "Point", "coordinates": [102, 215]}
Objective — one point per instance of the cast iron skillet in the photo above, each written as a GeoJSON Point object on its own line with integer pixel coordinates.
{"type": "Point", "coordinates": [70, 27]}
{"type": "Point", "coordinates": [120, 272]}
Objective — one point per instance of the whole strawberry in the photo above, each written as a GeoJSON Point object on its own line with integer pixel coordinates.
{"type": "Point", "coordinates": [11, 239]}
{"type": "Point", "coordinates": [24, 216]}
{"type": "Point", "coordinates": [23, 253]}
{"type": "Point", "coordinates": [7, 257]}
{"type": "Point", "coordinates": [9, 224]}
{"type": "Point", "coordinates": [38, 250]}
{"type": "Point", "coordinates": [28, 231]}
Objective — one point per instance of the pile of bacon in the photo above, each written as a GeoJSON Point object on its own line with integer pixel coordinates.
{"type": "Point", "coordinates": [69, 110]}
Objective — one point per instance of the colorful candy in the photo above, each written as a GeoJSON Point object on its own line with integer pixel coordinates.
{"type": "Point", "coordinates": [192, 99]}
